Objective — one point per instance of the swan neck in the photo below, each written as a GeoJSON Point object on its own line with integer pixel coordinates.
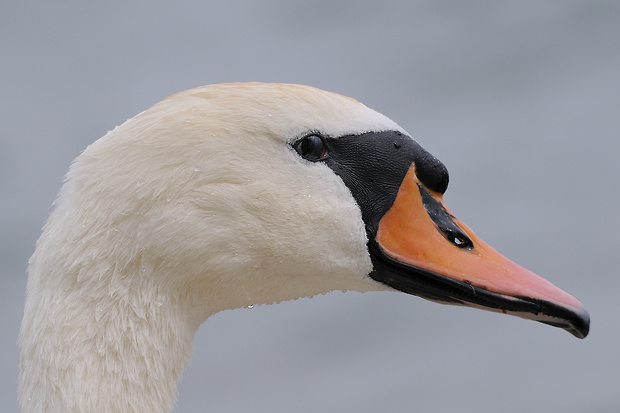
{"type": "Point", "coordinates": [93, 345]}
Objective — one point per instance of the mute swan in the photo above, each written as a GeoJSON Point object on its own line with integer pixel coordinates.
{"type": "Point", "coordinates": [232, 195]}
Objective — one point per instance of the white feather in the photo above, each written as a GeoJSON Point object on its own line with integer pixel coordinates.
{"type": "Point", "coordinates": [196, 205]}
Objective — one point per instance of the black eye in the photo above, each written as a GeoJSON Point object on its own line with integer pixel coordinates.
{"type": "Point", "coordinates": [311, 148]}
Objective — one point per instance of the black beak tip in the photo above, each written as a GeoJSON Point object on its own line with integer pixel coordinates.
{"type": "Point", "coordinates": [576, 322]}
{"type": "Point", "coordinates": [580, 325]}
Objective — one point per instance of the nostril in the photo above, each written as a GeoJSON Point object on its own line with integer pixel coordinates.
{"type": "Point", "coordinates": [444, 221]}
{"type": "Point", "coordinates": [459, 239]}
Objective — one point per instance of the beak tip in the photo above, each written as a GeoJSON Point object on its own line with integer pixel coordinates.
{"type": "Point", "coordinates": [581, 325]}
{"type": "Point", "coordinates": [578, 324]}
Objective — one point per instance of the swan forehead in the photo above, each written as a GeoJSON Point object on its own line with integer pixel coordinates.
{"type": "Point", "coordinates": [280, 111]}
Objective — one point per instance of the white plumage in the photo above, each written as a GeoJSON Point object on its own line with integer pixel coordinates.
{"type": "Point", "coordinates": [194, 206]}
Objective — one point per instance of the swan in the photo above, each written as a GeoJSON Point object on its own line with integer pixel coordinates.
{"type": "Point", "coordinates": [231, 195]}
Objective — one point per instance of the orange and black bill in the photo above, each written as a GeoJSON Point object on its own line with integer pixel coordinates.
{"type": "Point", "coordinates": [419, 247]}
{"type": "Point", "coordinates": [419, 235]}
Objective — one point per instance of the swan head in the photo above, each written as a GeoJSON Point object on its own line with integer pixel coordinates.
{"type": "Point", "coordinates": [232, 195]}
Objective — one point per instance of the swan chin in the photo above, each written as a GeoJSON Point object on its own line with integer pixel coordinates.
{"type": "Point", "coordinates": [232, 195]}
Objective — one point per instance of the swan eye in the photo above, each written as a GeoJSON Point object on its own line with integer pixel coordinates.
{"type": "Point", "coordinates": [311, 148]}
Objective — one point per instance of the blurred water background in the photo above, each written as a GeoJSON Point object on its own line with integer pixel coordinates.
{"type": "Point", "coordinates": [520, 99]}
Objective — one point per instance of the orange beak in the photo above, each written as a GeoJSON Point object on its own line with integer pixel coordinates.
{"type": "Point", "coordinates": [419, 235]}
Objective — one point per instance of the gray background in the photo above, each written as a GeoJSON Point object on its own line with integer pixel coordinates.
{"type": "Point", "coordinates": [519, 99]}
